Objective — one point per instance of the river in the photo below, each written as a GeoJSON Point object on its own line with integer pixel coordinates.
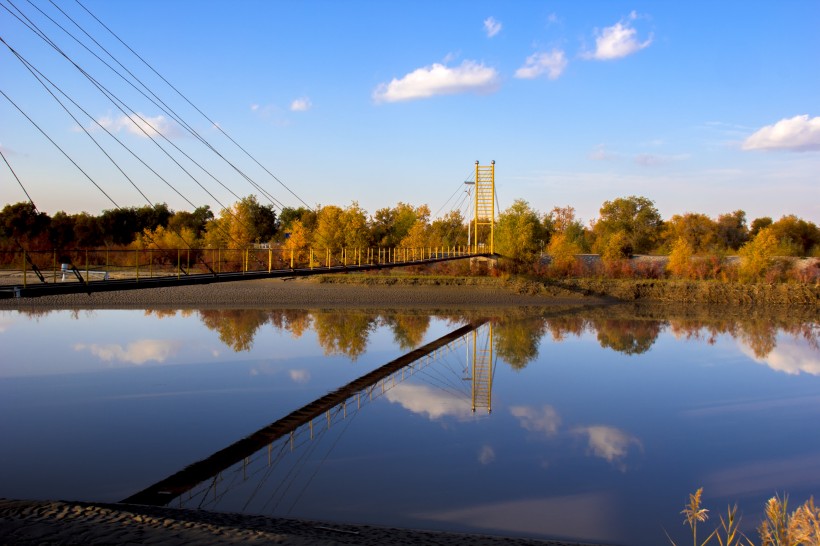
{"type": "Point", "coordinates": [560, 422]}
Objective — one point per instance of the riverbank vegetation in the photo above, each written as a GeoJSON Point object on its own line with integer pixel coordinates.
{"type": "Point", "coordinates": [629, 239]}
{"type": "Point", "coordinates": [779, 528]}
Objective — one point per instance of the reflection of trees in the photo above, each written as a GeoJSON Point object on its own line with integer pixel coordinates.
{"type": "Point", "coordinates": [626, 336]}
{"type": "Point", "coordinates": [408, 330]}
{"type": "Point", "coordinates": [236, 327]}
{"type": "Point", "coordinates": [760, 336]}
{"type": "Point", "coordinates": [759, 333]}
{"type": "Point", "coordinates": [560, 327]}
{"type": "Point", "coordinates": [516, 341]}
{"type": "Point", "coordinates": [344, 332]}
{"type": "Point", "coordinates": [295, 321]}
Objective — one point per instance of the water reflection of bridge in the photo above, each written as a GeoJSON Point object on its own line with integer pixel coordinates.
{"type": "Point", "coordinates": [260, 452]}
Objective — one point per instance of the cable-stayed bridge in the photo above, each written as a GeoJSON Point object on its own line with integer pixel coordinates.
{"type": "Point", "coordinates": [78, 65]}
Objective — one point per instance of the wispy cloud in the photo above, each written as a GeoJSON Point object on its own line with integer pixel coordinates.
{"type": "Point", "coordinates": [617, 41]}
{"type": "Point", "coordinates": [140, 125]}
{"type": "Point", "coordinates": [486, 455]}
{"type": "Point", "coordinates": [438, 79]}
{"type": "Point", "coordinates": [797, 134]}
{"type": "Point", "coordinates": [302, 104]}
{"type": "Point", "coordinates": [491, 26]}
{"type": "Point", "coordinates": [299, 376]}
{"type": "Point", "coordinates": [609, 443]}
{"type": "Point", "coordinates": [551, 63]}
{"type": "Point", "coordinates": [137, 352]}
{"type": "Point", "coordinates": [544, 419]}
{"type": "Point", "coordinates": [600, 153]}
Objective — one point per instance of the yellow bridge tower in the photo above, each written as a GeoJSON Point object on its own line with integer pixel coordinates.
{"type": "Point", "coordinates": [482, 370]}
{"type": "Point", "coordinates": [484, 206]}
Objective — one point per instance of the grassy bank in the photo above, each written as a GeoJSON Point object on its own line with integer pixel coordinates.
{"type": "Point", "coordinates": [650, 290]}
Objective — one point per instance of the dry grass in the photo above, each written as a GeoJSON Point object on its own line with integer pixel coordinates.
{"type": "Point", "coordinates": [780, 528]}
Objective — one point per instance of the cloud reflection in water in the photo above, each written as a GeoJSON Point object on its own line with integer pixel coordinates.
{"type": "Point", "coordinates": [137, 352]}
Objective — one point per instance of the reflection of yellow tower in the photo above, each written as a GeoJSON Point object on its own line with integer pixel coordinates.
{"type": "Point", "coordinates": [482, 363]}
{"type": "Point", "coordinates": [484, 204]}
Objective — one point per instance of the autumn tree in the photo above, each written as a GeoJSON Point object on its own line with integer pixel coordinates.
{"type": "Point", "coordinates": [756, 255]}
{"type": "Point", "coordinates": [680, 259]}
{"type": "Point", "coordinates": [634, 217]}
{"type": "Point", "coordinates": [329, 232]}
{"type": "Point", "coordinates": [698, 231]}
{"type": "Point", "coordinates": [356, 229]}
{"type": "Point", "coordinates": [562, 251]}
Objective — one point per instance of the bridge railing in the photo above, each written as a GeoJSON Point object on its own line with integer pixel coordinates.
{"type": "Point", "coordinates": [21, 267]}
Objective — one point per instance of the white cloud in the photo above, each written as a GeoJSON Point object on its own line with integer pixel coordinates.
{"type": "Point", "coordinates": [439, 79]}
{"type": "Point", "coordinates": [608, 443]}
{"type": "Point", "coordinates": [544, 420]}
{"type": "Point", "coordinates": [137, 352]}
{"type": "Point", "coordinates": [790, 356]}
{"type": "Point", "coordinates": [141, 125]}
{"type": "Point", "coordinates": [425, 400]}
{"type": "Point", "coordinates": [797, 134]}
{"type": "Point", "coordinates": [302, 104]}
{"type": "Point", "coordinates": [491, 26]}
{"type": "Point", "coordinates": [486, 455]}
{"type": "Point", "coordinates": [299, 376]}
{"type": "Point", "coordinates": [552, 63]}
{"type": "Point", "coordinates": [617, 41]}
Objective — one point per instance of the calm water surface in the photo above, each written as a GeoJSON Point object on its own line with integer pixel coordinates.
{"type": "Point", "coordinates": [602, 421]}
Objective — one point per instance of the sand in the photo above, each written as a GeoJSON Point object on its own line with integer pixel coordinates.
{"type": "Point", "coordinates": [52, 522]}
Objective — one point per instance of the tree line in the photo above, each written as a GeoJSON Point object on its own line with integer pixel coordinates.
{"type": "Point", "coordinates": [625, 226]}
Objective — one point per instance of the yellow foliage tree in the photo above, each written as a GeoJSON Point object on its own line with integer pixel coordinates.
{"type": "Point", "coordinates": [756, 255]}
{"type": "Point", "coordinates": [680, 259]}
{"type": "Point", "coordinates": [562, 252]}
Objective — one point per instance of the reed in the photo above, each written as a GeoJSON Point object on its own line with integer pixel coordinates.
{"type": "Point", "coordinates": [779, 528]}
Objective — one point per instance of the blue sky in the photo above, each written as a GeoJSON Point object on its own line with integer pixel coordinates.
{"type": "Point", "coordinates": [700, 106]}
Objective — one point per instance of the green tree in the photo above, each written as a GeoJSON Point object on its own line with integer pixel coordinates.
{"type": "Point", "coordinates": [23, 222]}
{"type": "Point", "coordinates": [635, 217]}
{"type": "Point", "coordinates": [391, 225]}
{"type": "Point", "coordinates": [244, 223]}
{"type": "Point", "coordinates": [795, 236]}
{"type": "Point", "coordinates": [732, 229]}
{"type": "Point", "coordinates": [518, 232]}
{"type": "Point", "coordinates": [449, 231]}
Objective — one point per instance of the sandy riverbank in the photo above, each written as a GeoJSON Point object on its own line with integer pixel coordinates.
{"type": "Point", "coordinates": [33, 522]}
{"type": "Point", "coordinates": [299, 293]}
